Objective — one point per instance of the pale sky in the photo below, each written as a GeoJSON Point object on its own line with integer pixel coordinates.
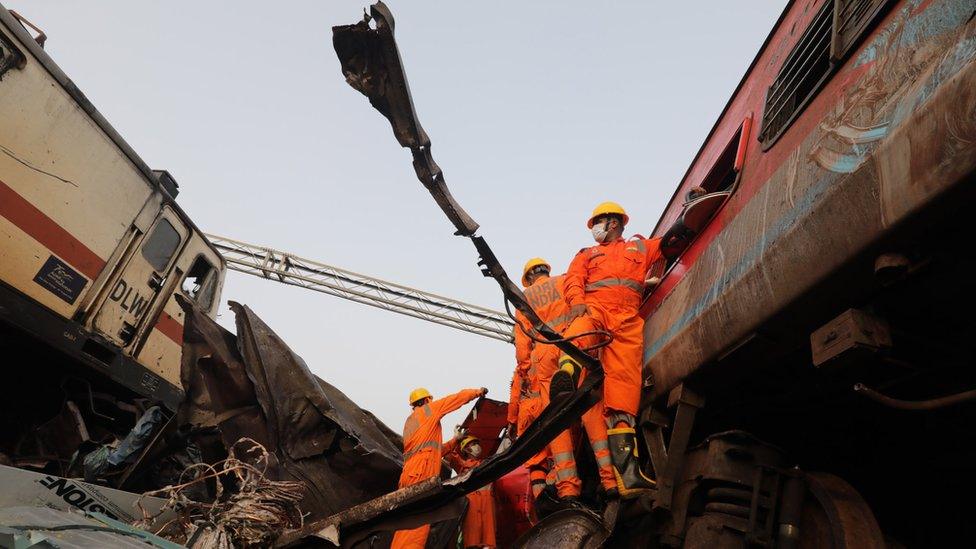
{"type": "Point", "coordinates": [537, 111]}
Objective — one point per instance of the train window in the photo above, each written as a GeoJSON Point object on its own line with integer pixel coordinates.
{"type": "Point", "coordinates": [805, 69]}
{"type": "Point", "coordinates": [161, 245]}
{"type": "Point", "coordinates": [834, 31]}
{"type": "Point", "coordinates": [199, 282]}
{"type": "Point", "coordinates": [852, 19]}
{"type": "Point", "coordinates": [724, 173]}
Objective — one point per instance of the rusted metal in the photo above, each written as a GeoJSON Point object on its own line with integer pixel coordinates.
{"type": "Point", "coordinates": [41, 36]}
{"type": "Point", "coordinates": [931, 404]}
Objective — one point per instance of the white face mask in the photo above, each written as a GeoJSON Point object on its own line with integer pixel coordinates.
{"type": "Point", "coordinates": [474, 450]}
{"type": "Point", "coordinates": [599, 231]}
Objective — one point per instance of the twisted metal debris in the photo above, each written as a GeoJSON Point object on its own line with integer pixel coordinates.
{"type": "Point", "coordinates": [252, 515]}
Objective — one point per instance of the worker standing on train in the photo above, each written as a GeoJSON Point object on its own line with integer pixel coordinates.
{"type": "Point", "coordinates": [422, 449]}
{"type": "Point", "coordinates": [547, 297]}
{"type": "Point", "coordinates": [478, 527]}
{"type": "Point", "coordinates": [607, 282]}
{"type": "Point", "coordinates": [525, 400]}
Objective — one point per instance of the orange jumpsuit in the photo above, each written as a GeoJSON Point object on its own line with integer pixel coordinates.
{"type": "Point", "coordinates": [609, 280]}
{"type": "Point", "coordinates": [547, 297]}
{"type": "Point", "coordinates": [478, 528]}
{"type": "Point", "coordinates": [525, 401]}
{"type": "Point", "coordinates": [422, 453]}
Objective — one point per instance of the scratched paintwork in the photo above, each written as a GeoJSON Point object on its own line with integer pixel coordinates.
{"type": "Point", "coordinates": [890, 132]}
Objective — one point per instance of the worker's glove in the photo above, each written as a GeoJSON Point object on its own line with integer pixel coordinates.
{"type": "Point", "coordinates": [510, 432]}
{"type": "Point", "coordinates": [652, 282]}
{"type": "Point", "coordinates": [484, 391]}
{"type": "Point", "coordinates": [459, 432]}
{"type": "Point", "coordinates": [578, 310]}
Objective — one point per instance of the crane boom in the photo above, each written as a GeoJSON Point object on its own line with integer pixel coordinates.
{"type": "Point", "coordinates": [291, 269]}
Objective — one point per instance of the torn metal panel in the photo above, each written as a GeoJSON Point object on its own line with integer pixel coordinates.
{"type": "Point", "coordinates": [254, 386]}
{"type": "Point", "coordinates": [371, 64]}
{"type": "Point", "coordinates": [487, 419]}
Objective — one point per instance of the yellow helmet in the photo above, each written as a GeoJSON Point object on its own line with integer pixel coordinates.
{"type": "Point", "coordinates": [418, 394]}
{"type": "Point", "coordinates": [532, 264]}
{"type": "Point", "coordinates": [607, 208]}
{"type": "Point", "coordinates": [468, 440]}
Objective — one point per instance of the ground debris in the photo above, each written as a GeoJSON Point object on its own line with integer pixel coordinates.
{"type": "Point", "coordinates": [249, 509]}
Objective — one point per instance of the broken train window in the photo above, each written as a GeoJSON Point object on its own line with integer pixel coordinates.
{"type": "Point", "coordinates": [199, 282]}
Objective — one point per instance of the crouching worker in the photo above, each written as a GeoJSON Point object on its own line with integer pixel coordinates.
{"type": "Point", "coordinates": [478, 528]}
{"type": "Point", "coordinates": [422, 440]}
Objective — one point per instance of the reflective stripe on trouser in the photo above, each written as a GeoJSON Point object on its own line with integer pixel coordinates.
{"type": "Point", "coordinates": [537, 479]}
{"type": "Point", "coordinates": [621, 359]}
{"type": "Point", "coordinates": [564, 465]}
{"type": "Point", "coordinates": [529, 410]}
{"type": "Point", "coordinates": [596, 431]}
{"type": "Point", "coordinates": [565, 476]}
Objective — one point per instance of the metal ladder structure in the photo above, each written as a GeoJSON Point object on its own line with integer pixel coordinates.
{"type": "Point", "coordinates": [291, 269]}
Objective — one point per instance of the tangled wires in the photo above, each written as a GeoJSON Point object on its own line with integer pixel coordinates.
{"type": "Point", "coordinates": [251, 515]}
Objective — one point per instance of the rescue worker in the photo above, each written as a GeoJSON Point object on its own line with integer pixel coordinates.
{"type": "Point", "coordinates": [607, 282]}
{"type": "Point", "coordinates": [478, 528]}
{"type": "Point", "coordinates": [422, 448]}
{"type": "Point", "coordinates": [525, 401]}
{"type": "Point", "coordinates": [546, 295]}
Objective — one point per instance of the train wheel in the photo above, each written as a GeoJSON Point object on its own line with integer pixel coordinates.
{"type": "Point", "coordinates": [835, 515]}
{"type": "Point", "coordinates": [571, 528]}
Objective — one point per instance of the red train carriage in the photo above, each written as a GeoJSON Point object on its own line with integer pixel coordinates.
{"type": "Point", "coordinates": [831, 248]}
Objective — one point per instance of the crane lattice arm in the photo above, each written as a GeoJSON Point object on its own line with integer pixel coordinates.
{"type": "Point", "coordinates": [297, 271]}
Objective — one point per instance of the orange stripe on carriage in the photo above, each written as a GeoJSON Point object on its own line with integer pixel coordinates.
{"type": "Point", "coordinates": [170, 327]}
{"type": "Point", "coordinates": [45, 230]}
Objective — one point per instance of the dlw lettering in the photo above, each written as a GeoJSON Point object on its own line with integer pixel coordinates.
{"type": "Point", "coordinates": [128, 299]}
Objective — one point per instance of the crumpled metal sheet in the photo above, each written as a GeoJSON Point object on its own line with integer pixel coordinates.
{"type": "Point", "coordinates": [254, 385]}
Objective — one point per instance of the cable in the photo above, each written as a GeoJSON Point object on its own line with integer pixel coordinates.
{"type": "Point", "coordinates": [608, 337]}
{"type": "Point", "coordinates": [931, 404]}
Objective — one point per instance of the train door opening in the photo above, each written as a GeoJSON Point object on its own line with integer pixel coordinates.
{"type": "Point", "coordinates": [135, 289]}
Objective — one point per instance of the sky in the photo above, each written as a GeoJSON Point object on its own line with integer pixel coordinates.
{"type": "Point", "coordinates": [536, 111]}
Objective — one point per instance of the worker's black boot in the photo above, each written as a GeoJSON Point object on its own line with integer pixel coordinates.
{"type": "Point", "coordinates": [566, 378]}
{"type": "Point", "coordinates": [631, 481]}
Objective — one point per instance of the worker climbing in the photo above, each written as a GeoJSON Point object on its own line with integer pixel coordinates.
{"type": "Point", "coordinates": [422, 441]}
{"type": "Point", "coordinates": [463, 453]}
{"type": "Point", "coordinates": [547, 297]}
{"type": "Point", "coordinates": [605, 284]}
